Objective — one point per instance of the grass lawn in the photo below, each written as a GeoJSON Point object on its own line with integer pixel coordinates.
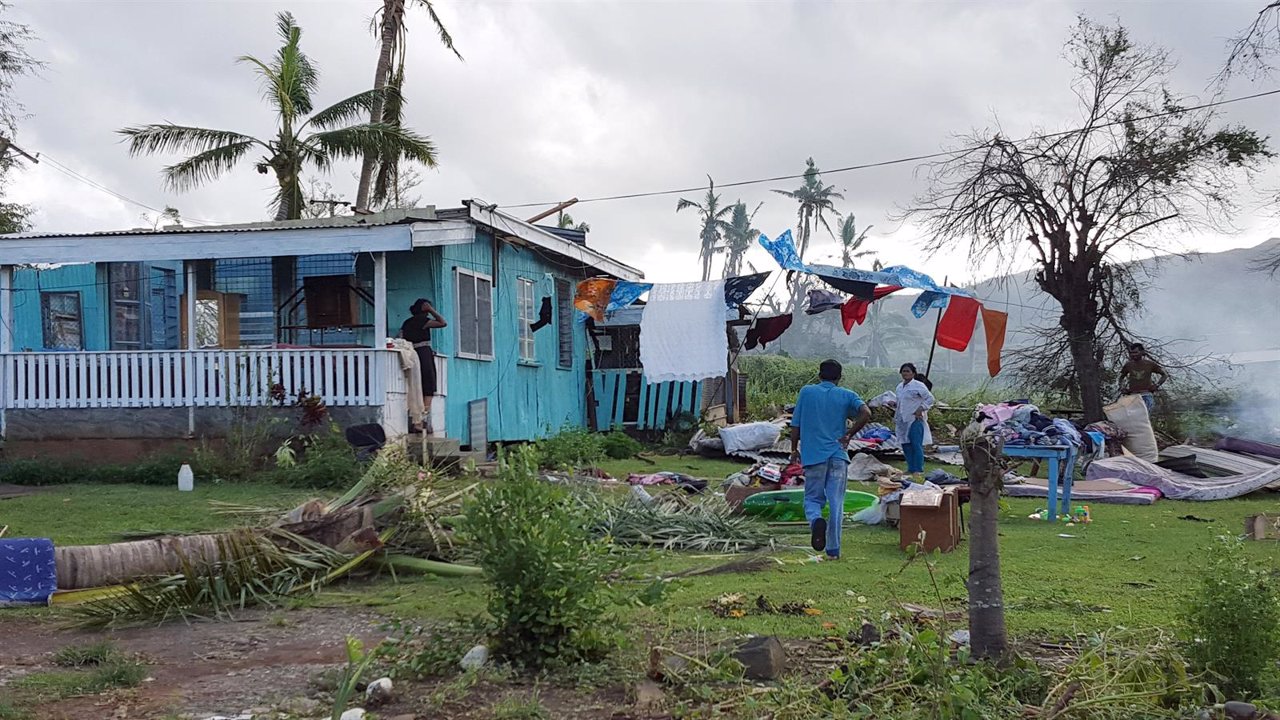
{"type": "Point", "coordinates": [1133, 566]}
{"type": "Point", "coordinates": [93, 514]}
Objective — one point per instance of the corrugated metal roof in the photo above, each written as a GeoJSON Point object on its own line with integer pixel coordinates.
{"type": "Point", "coordinates": [386, 217]}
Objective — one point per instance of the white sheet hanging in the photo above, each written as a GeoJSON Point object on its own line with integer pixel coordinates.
{"type": "Point", "coordinates": [682, 332]}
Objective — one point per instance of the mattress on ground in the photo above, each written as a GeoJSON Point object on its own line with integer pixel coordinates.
{"type": "Point", "coordinates": [1116, 492]}
{"type": "Point", "coordinates": [1177, 486]}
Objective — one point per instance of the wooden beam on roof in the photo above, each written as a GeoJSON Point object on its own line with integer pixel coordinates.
{"type": "Point", "coordinates": [552, 211]}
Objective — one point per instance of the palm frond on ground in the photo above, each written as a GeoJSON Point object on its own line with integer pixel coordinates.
{"type": "Point", "coordinates": [675, 523]}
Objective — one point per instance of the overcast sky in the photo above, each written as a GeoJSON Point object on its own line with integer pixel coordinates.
{"type": "Point", "coordinates": [595, 98]}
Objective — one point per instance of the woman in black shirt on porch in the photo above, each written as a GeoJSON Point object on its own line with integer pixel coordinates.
{"type": "Point", "coordinates": [417, 330]}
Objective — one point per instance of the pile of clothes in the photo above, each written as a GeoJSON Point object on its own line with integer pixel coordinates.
{"type": "Point", "coordinates": [1020, 423]}
{"type": "Point", "coordinates": [767, 473]}
{"type": "Point", "coordinates": [874, 437]}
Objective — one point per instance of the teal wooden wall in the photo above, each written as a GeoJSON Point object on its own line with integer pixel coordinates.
{"type": "Point", "coordinates": [89, 281]}
{"type": "Point", "coordinates": [526, 401]}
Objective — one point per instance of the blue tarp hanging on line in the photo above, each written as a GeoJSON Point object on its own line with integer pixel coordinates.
{"type": "Point", "coordinates": [783, 250]}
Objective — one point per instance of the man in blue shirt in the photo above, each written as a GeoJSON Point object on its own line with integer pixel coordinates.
{"type": "Point", "coordinates": [820, 441]}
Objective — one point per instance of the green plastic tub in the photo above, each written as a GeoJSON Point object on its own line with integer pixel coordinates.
{"type": "Point", "coordinates": [788, 505]}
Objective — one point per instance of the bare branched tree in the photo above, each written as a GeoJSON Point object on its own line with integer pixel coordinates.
{"type": "Point", "coordinates": [1252, 54]}
{"type": "Point", "coordinates": [1253, 51]}
{"type": "Point", "coordinates": [1139, 167]}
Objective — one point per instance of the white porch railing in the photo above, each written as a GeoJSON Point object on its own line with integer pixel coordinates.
{"type": "Point", "coordinates": [182, 378]}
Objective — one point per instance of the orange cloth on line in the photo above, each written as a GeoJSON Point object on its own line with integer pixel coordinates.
{"type": "Point", "coordinates": [593, 296]}
{"type": "Point", "coordinates": [993, 324]}
{"type": "Point", "coordinates": [956, 328]}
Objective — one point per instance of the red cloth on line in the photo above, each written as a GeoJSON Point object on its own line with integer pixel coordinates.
{"type": "Point", "coordinates": [854, 312]}
{"type": "Point", "coordinates": [993, 324]}
{"type": "Point", "coordinates": [766, 330]}
{"type": "Point", "coordinates": [956, 328]}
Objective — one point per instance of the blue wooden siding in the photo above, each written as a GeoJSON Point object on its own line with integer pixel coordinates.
{"type": "Point", "coordinates": [526, 400]}
{"type": "Point", "coordinates": [89, 281]}
{"type": "Point", "coordinates": [657, 403]}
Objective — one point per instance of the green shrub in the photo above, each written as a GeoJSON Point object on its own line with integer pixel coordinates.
{"type": "Point", "coordinates": [37, 472]}
{"type": "Point", "coordinates": [323, 460]}
{"type": "Point", "coordinates": [1233, 622]}
{"type": "Point", "coordinates": [620, 446]}
{"type": "Point", "coordinates": [570, 448]}
{"type": "Point", "coordinates": [546, 575]}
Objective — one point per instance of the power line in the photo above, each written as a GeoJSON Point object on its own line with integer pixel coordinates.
{"type": "Point", "coordinates": [904, 160]}
{"type": "Point", "coordinates": [62, 168]}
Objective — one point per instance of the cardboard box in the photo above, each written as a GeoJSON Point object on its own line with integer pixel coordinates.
{"type": "Point", "coordinates": [940, 525]}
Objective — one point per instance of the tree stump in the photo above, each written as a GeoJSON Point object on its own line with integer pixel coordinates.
{"type": "Point", "coordinates": [982, 453]}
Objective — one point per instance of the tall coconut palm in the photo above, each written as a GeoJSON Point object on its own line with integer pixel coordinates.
{"type": "Point", "coordinates": [714, 225]}
{"type": "Point", "coordinates": [303, 137]}
{"type": "Point", "coordinates": [814, 199]}
{"type": "Point", "coordinates": [739, 238]}
{"type": "Point", "coordinates": [379, 170]}
{"type": "Point", "coordinates": [851, 240]}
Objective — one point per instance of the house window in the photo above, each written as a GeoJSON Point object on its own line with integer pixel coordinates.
{"type": "Point", "coordinates": [524, 318]}
{"type": "Point", "coordinates": [61, 314]}
{"type": "Point", "coordinates": [124, 287]}
{"type": "Point", "coordinates": [565, 322]}
{"type": "Point", "coordinates": [475, 315]}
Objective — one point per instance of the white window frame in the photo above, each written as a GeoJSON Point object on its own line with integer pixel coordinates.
{"type": "Point", "coordinates": [524, 318]}
{"type": "Point", "coordinates": [457, 293]}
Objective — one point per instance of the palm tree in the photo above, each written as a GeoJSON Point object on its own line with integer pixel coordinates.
{"type": "Point", "coordinates": [739, 238]}
{"type": "Point", "coordinates": [814, 199]}
{"type": "Point", "coordinates": [714, 225]}
{"type": "Point", "coordinates": [303, 137]}
{"type": "Point", "coordinates": [851, 240]}
{"type": "Point", "coordinates": [390, 28]}
{"type": "Point", "coordinates": [564, 221]}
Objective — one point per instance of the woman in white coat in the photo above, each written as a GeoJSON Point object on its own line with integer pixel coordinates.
{"type": "Point", "coordinates": [910, 418]}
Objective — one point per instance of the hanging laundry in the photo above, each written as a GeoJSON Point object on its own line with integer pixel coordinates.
{"type": "Point", "coordinates": [854, 312]}
{"type": "Point", "coordinates": [956, 328]}
{"type": "Point", "coordinates": [544, 316]}
{"type": "Point", "coordinates": [682, 332]}
{"type": "Point", "coordinates": [738, 289]}
{"type": "Point", "coordinates": [593, 296]}
{"type": "Point", "coordinates": [626, 292]}
{"type": "Point", "coordinates": [993, 324]}
{"type": "Point", "coordinates": [856, 288]}
{"type": "Point", "coordinates": [766, 330]}
{"type": "Point", "coordinates": [822, 301]}
{"type": "Point", "coordinates": [929, 300]}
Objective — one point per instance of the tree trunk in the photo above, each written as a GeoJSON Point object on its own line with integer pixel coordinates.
{"type": "Point", "coordinates": [1086, 358]}
{"type": "Point", "coordinates": [392, 18]}
{"type": "Point", "coordinates": [986, 595]}
{"type": "Point", "coordinates": [86, 566]}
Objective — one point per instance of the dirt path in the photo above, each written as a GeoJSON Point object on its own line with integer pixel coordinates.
{"type": "Point", "coordinates": [259, 662]}
{"type": "Point", "coordinates": [199, 669]}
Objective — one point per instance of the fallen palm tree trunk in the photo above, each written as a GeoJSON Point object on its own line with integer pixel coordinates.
{"type": "Point", "coordinates": [247, 567]}
{"type": "Point", "coordinates": [90, 566]}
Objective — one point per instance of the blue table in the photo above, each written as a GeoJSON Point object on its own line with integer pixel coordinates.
{"type": "Point", "coordinates": [1062, 461]}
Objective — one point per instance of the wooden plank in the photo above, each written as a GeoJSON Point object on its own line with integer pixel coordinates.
{"type": "Point", "coordinates": [620, 399]}
{"type": "Point", "coordinates": [697, 397]}
{"type": "Point", "coordinates": [662, 410]}
{"type": "Point", "coordinates": [604, 405]}
{"type": "Point", "coordinates": [642, 413]}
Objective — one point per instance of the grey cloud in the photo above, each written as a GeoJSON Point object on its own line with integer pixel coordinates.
{"type": "Point", "coordinates": [558, 99]}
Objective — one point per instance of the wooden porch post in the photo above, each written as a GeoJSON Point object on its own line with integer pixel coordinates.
{"type": "Point", "coordinates": [379, 299]}
{"type": "Point", "coordinates": [189, 362]}
{"type": "Point", "coordinates": [6, 308]}
{"type": "Point", "coordinates": [6, 338]}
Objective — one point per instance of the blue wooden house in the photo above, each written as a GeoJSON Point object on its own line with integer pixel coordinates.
{"type": "Point", "coordinates": [99, 345]}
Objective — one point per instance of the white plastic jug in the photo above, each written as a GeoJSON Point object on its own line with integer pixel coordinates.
{"type": "Point", "coordinates": [186, 479]}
